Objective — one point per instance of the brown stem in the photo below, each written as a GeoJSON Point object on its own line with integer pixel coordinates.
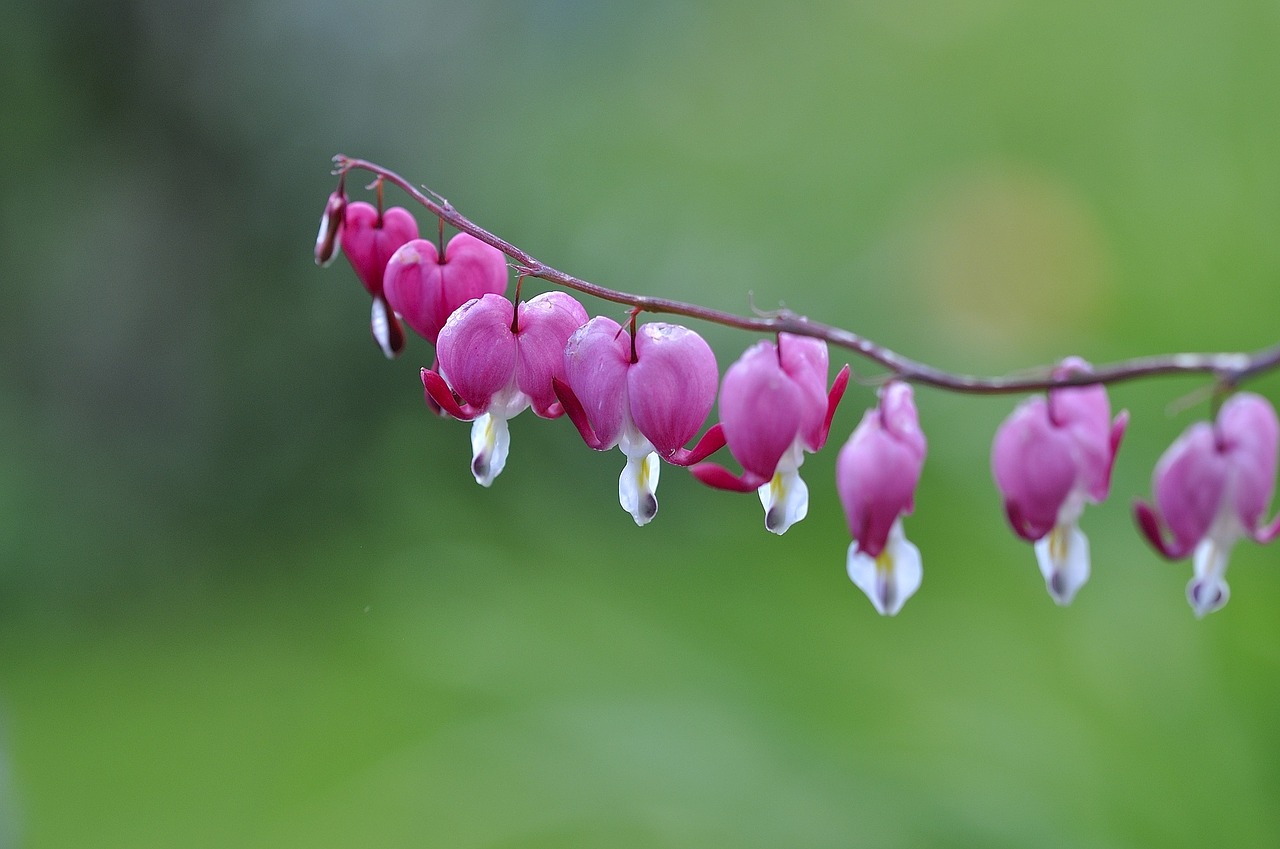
{"type": "Point", "coordinates": [1228, 368]}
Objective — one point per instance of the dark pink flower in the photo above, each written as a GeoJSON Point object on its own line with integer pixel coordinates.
{"type": "Point", "coordinates": [775, 406]}
{"type": "Point", "coordinates": [1050, 457]}
{"type": "Point", "coordinates": [499, 360]}
{"type": "Point", "coordinates": [876, 476]}
{"type": "Point", "coordinates": [369, 239]}
{"type": "Point", "coordinates": [648, 399]}
{"type": "Point", "coordinates": [425, 289]}
{"type": "Point", "coordinates": [1212, 487]}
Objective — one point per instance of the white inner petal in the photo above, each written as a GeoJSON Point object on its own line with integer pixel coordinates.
{"type": "Point", "coordinates": [785, 500]}
{"type": "Point", "coordinates": [638, 486]}
{"type": "Point", "coordinates": [786, 497]}
{"type": "Point", "coordinates": [893, 577]}
{"type": "Point", "coordinates": [490, 441]}
{"type": "Point", "coordinates": [381, 327]}
{"type": "Point", "coordinates": [1063, 554]}
{"type": "Point", "coordinates": [1208, 589]}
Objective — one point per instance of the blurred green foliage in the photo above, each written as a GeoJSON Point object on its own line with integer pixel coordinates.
{"type": "Point", "coordinates": [250, 596]}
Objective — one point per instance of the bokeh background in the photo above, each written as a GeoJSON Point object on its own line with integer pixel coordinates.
{"type": "Point", "coordinates": [250, 595]}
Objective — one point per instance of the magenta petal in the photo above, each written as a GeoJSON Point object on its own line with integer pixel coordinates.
{"type": "Point", "coordinates": [574, 410]}
{"type": "Point", "coordinates": [711, 442]}
{"type": "Point", "coordinates": [760, 408]}
{"type": "Point", "coordinates": [369, 243]}
{"type": "Point", "coordinates": [546, 322]}
{"type": "Point", "coordinates": [1149, 524]}
{"type": "Point", "coordinates": [436, 392]}
{"type": "Point", "coordinates": [833, 401]}
{"type": "Point", "coordinates": [1034, 468]}
{"type": "Point", "coordinates": [476, 349]}
{"type": "Point", "coordinates": [1189, 482]}
{"type": "Point", "coordinates": [718, 477]}
{"type": "Point", "coordinates": [596, 359]}
{"type": "Point", "coordinates": [877, 470]}
{"type": "Point", "coordinates": [671, 386]}
{"type": "Point", "coordinates": [471, 269]}
{"type": "Point", "coordinates": [406, 288]}
{"type": "Point", "coordinates": [804, 359]}
{"type": "Point", "coordinates": [1247, 425]}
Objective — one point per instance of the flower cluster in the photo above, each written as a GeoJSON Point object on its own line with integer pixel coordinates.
{"type": "Point", "coordinates": [648, 389]}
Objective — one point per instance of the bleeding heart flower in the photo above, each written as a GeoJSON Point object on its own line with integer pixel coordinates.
{"type": "Point", "coordinates": [648, 398]}
{"type": "Point", "coordinates": [369, 238]}
{"type": "Point", "coordinates": [1051, 456]}
{"type": "Point", "coordinates": [425, 289]}
{"type": "Point", "coordinates": [876, 476]}
{"type": "Point", "coordinates": [500, 360]}
{"type": "Point", "coordinates": [775, 406]}
{"type": "Point", "coordinates": [1213, 487]}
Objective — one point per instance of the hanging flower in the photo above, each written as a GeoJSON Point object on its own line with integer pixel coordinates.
{"type": "Point", "coordinates": [1050, 457]}
{"type": "Point", "coordinates": [369, 238]}
{"type": "Point", "coordinates": [775, 406]}
{"type": "Point", "coordinates": [877, 471]}
{"type": "Point", "coordinates": [499, 360]}
{"type": "Point", "coordinates": [1212, 487]}
{"type": "Point", "coordinates": [648, 396]}
{"type": "Point", "coordinates": [425, 288]}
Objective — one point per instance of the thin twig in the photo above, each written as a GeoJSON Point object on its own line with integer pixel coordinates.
{"type": "Point", "coordinates": [1228, 369]}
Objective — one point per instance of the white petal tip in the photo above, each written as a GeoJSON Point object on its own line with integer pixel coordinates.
{"type": "Point", "coordinates": [892, 577]}
{"type": "Point", "coordinates": [1063, 555]}
{"type": "Point", "coordinates": [638, 486]}
{"type": "Point", "coordinates": [785, 500]}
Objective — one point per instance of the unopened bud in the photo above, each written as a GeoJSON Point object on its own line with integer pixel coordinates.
{"type": "Point", "coordinates": [330, 225]}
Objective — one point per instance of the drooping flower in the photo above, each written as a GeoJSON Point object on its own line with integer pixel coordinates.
{"type": "Point", "coordinates": [775, 406]}
{"type": "Point", "coordinates": [335, 209]}
{"type": "Point", "coordinates": [1050, 457]}
{"type": "Point", "coordinates": [877, 471]}
{"type": "Point", "coordinates": [648, 396]}
{"type": "Point", "coordinates": [369, 238]}
{"type": "Point", "coordinates": [425, 288]}
{"type": "Point", "coordinates": [1212, 487]}
{"type": "Point", "coordinates": [500, 359]}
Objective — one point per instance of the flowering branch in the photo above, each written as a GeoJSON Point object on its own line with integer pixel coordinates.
{"type": "Point", "coordinates": [647, 389]}
{"type": "Point", "coordinates": [1229, 369]}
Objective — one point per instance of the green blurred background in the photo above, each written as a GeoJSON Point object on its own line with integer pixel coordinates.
{"type": "Point", "coordinates": [251, 597]}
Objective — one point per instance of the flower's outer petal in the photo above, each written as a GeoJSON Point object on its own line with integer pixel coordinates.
{"type": "Point", "coordinates": [718, 477]}
{"type": "Point", "coordinates": [711, 442]}
{"type": "Point", "coordinates": [1034, 468]}
{"type": "Point", "coordinates": [1247, 425]}
{"type": "Point", "coordinates": [1190, 482]}
{"type": "Point", "coordinates": [890, 578]}
{"type": "Point", "coordinates": [878, 469]}
{"type": "Point", "coordinates": [805, 361]}
{"type": "Point", "coordinates": [476, 350]}
{"type": "Point", "coordinates": [1063, 555]}
{"type": "Point", "coordinates": [833, 401]}
{"type": "Point", "coordinates": [760, 408]}
{"type": "Point", "coordinates": [369, 243]}
{"type": "Point", "coordinates": [545, 325]}
{"type": "Point", "coordinates": [596, 359]}
{"type": "Point", "coordinates": [1208, 590]}
{"type": "Point", "coordinates": [671, 386]}
{"type": "Point", "coordinates": [407, 284]}
{"type": "Point", "coordinates": [490, 443]}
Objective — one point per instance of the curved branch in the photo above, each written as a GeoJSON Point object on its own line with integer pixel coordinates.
{"type": "Point", "coordinates": [1229, 369]}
